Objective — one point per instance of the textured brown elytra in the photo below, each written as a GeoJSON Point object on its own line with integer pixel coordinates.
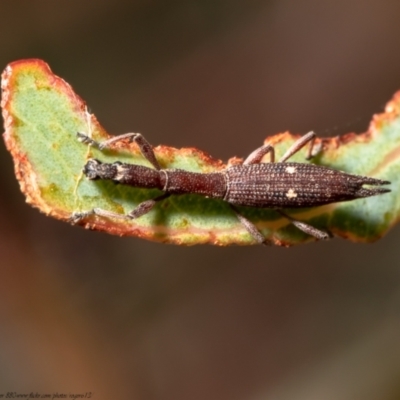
{"type": "Point", "coordinates": [294, 185]}
{"type": "Point", "coordinates": [253, 183]}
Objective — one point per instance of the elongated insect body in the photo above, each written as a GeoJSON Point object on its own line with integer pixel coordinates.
{"type": "Point", "coordinates": [254, 184]}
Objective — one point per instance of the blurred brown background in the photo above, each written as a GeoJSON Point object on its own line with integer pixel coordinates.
{"type": "Point", "coordinates": [129, 319]}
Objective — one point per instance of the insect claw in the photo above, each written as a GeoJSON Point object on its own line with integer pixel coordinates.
{"type": "Point", "coordinates": [78, 216]}
{"type": "Point", "coordinates": [82, 137]}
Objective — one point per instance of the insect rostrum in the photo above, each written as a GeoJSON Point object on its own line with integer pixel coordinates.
{"type": "Point", "coordinates": [253, 183]}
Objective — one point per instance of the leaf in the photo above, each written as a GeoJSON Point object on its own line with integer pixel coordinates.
{"type": "Point", "coordinates": [42, 115]}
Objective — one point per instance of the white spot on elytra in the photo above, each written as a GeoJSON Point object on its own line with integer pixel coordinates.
{"type": "Point", "coordinates": [120, 173]}
{"type": "Point", "coordinates": [291, 194]}
{"type": "Point", "coordinates": [290, 170]}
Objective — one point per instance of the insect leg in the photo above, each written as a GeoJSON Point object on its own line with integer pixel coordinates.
{"type": "Point", "coordinates": [310, 230]}
{"type": "Point", "coordinates": [256, 156]}
{"type": "Point", "coordinates": [146, 206]}
{"type": "Point", "coordinates": [298, 144]}
{"type": "Point", "coordinates": [79, 215]}
{"type": "Point", "coordinates": [142, 209]}
{"type": "Point", "coordinates": [144, 146]}
{"type": "Point", "coordinates": [250, 227]}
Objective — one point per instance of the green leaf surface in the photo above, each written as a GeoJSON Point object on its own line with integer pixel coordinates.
{"type": "Point", "coordinates": [42, 115]}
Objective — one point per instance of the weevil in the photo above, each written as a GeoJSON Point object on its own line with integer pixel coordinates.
{"type": "Point", "coordinates": [277, 185]}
